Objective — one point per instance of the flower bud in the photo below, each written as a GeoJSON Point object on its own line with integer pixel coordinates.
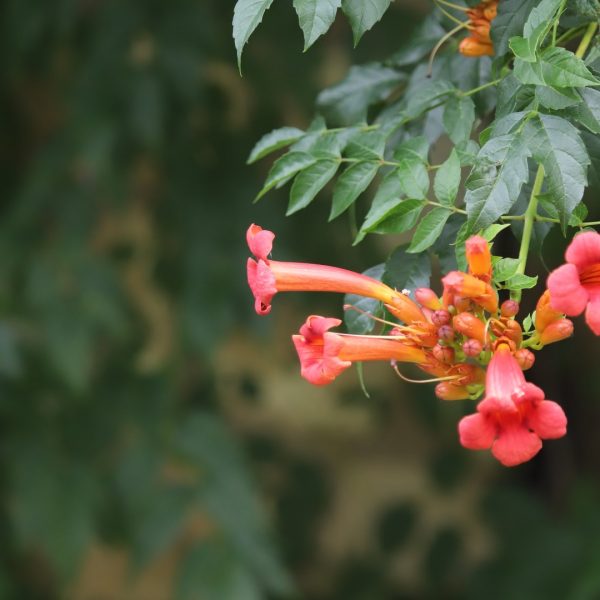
{"type": "Point", "coordinates": [473, 47]}
{"type": "Point", "coordinates": [525, 358]}
{"type": "Point", "coordinates": [440, 317]}
{"type": "Point", "coordinates": [509, 308]}
{"type": "Point", "coordinates": [544, 313]}
{"type": "Point", "coordinates": [448, 391]}
{"type": "Point", "coordinates": [513, 331]}
{"type": "Point", "coordinates": [446, 333]}
{"type": "Point", "coordinates": [470, 326]}
{"type": "Point", "coordinates": [444, 354]}
{"type": "Point", "coordinates": [557, 331]}
{"type": "Point", "coordinates": [469, 374]}
{"type": "Point", "coordinates": [479, 257]}
{"type": "Point", "coordinates": [428, 298]}
{"type": "Point", "coordinates": [472, 347]}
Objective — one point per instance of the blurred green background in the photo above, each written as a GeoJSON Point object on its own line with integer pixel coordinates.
{"type": "Point", "coordinates": [156, 440]}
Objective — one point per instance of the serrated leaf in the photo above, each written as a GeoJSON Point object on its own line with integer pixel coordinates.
{"type": "Point", "coordinates": [358, 322]}
{"type": "Point", "coordinates": [309, 183]}
{"type": "Point", "coordinates": [495, 182]}
{"type": "Point", "coordinates": [414, 179]}
{"type": "Point", "coordinates": [247, 15]}
{"type": "Point", "coordinates": [363, 14]}
{"type": "Point", "coordinates": [315, 18]}
{"type": "Point", "coordinates": [284, 168]}
{"type": "Point", "coordinates": [447, 180]}
{"type": "Point", "coordinates": [536, 27]}
{"type": "Point", "coordinates": [556, 67]}
{"type": "Point", "coordinates": [510, 21]}
{"type": "Point", "coordinates": [521, 282]}
{"type": "Point", "coordinates": [424, 96]}
{"type": "Point", "coordinates": [588, 111]}
{"type": "Point", "coordinates": [513, 96]}
{"type": "Point", "coordinates": [557, 99]}
{"type": "Point", "coordinates": [467, 152]}
{"type": "Point", "coordinates": [415, 147]}
{"type": "Point", "coordinates": [505, 268]}
{"type": "Point", "coordinates": [405, 271]}
{"type": "Point", "coordinates": [557, 146]}
{"type": "Point", "coordinates": [401, 218]}
{"type": "Point", "coordinates": [351, 184]}
{"type": "Point", "coordinates": [428, 230]}
{"type": "Point", "coordinates": [347, 102]}
{"type": "Point", "coordinates": [459, 115]}
{"type": "Point", "coordinates": [366, 145]}
{"type": "Point", "coordinates": [274, 141]}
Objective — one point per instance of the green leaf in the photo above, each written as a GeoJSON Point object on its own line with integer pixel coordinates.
{"type": "Point", "coordinates": [490, 233]}
{"type": "Point", "coordinates": [459, 115]}
{"type": "Point", "coordinates": [363, 14]}
{"type": "Point", "coordinates": [415, 147]}
{"type": "Point", "coordinates": [521, 282]}
{"type": "Point", "coordinates": [444, 245]}
{"type": "Point", "coordinates": [273, 141]}
{"type": "Point", "coordinates": [414, 178]}
{"type": "Point", "coordinates": [495, 182]}
{"type": "Point", "coordinates": [284, 168]}
{"type": "Point", "coordinates": [347, 102]}
{"type": "Point", "coordinates": [527, 323]}
{"type": "Point", "coordinates": [366, 145]}
{"type": "Point", "coordinates": [447, 180]}
{"type": "Point", "coordinates": [513, 96]}
{"type": "Point", "coordinates": [424, 96]}
{"type": "Point", "coordinates": [309, 183]}
{"type": "Point", "coordinates": [556, 67]}
{"type": "Point", "coordinates": [557, 99]}
{"type": "Point", "coordinates": [505, 268]}
{"type": "Point", "coordinates": [467, 152]}
{"type": "Point", "coordinates": [356, 321]}
{"type": "Point", "coordinates": [592, 144]}
{"type": "Point", "coordinates": [350, 185]}
{"type": "Point", "coordinates": [247, 15]}
{"type": "Point", "coordinates": [557, 146]}
{"type": "Point", "coordinates": [315, 18]}
{"type": "Point", "coordinates": [510, 20]}
{"type": "Point", "coordinates": [588, 111]}
{"type": "Point", "coordinates": [401, 218]}
{"type": "Point", "coordinates": [405, 271]}
{"type": "Point", "coordinates": [429, 229]}
{"type": "Point", "coordinates": [536, 27]}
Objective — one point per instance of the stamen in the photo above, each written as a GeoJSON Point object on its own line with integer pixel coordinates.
{"type": "Point", "coordinates": [441, 42]}
{"type": "Point", "coordinates": [434, 380]}
{"type": "Point", "coordinates": [370, 315]}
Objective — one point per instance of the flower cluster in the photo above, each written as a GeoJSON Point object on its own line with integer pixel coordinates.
{"type": "Point", "coordinates": [478, 42]}
{"type": "Point", "coordinates": [470, 343]}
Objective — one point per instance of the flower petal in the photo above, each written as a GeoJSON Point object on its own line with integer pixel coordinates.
{"type": "Point", "coordinates": [516, 445]}
{"type": "Point", "coordinates": [548, 420]}
{"type": "Point", "coordinates": [476, 432]}
{"type": "Point", "coordinates": [566, 292]}
{"type": "Point", "coordinates": [584, 250]}
{"type": "Point", "coordinates": [260, 241]}
{"type": "Point", "coordinates": [592, 313]}
{"type": "Point", "coordinates": [315, 326]}
{"type": "Point", "coordinates": [262, 283]}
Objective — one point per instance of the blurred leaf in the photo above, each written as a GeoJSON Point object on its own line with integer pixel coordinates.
{"type": "Point", "coordinates": [509, 22]}
{"type": "Point", "coordinates": [407, 271]}
{"type": "Point", "coordinates": [429, 229]}
{"type": "Point", "coordinates": [459, 116]}
{"type": "Point", "coordinates": [447, 180]}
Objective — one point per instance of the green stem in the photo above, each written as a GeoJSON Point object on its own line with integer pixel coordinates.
{"type": "Point", "coordinates": [586, 40]}
{"type": "Point", "coordinates": [480, 88]}
{"type": "Point", "coordinates": [530, 215]}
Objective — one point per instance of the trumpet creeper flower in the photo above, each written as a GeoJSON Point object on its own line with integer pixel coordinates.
{"type": "Point", "coordinates": [325, 354]}
{"type": "Point", "coordinates": [514, 417]}
{"type": "Point", "coordinates": [575, 286]}
{"type": "Point", "coordinates": [267, 277]}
